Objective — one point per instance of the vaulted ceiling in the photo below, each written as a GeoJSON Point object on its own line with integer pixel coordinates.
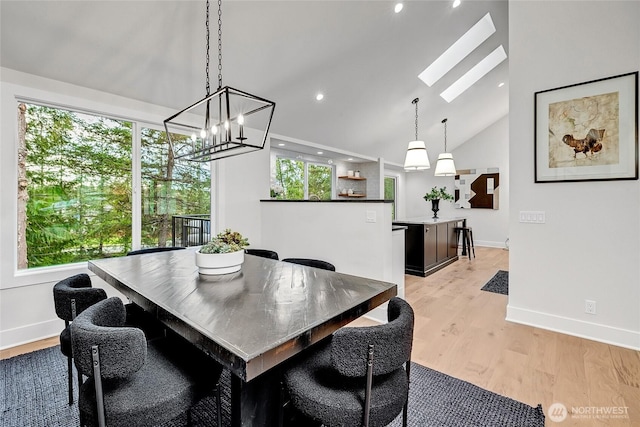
{"type": "Point", "coordinates": [361, 55]}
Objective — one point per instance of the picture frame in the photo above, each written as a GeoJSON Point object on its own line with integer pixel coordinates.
{"type": "Point", "coordinates": [587, 131]}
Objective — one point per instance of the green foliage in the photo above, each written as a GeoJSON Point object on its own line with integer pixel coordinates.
{"type": "Point", "coordinates": [79, 172]}
{"type": "Point", "coordinates": [225, 242]}
{"type": "Point", "coordinates": [319, 181]}
{"type": "Point", "coordinates": [169, 187]}
{"type": "Point", "coordinates": [438, 193]}
{"type": "Point", "coordinates": [290, 178]}
{"type": "Point", "coordinates": [390, 193]}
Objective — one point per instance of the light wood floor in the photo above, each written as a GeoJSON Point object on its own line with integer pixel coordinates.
{"type": "Point", "coordinates": [460, 330]}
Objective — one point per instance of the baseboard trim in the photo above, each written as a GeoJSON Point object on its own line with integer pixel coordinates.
{"type": "Point", "coordinates": [592, 331]}
{"type": "Point", "coordinates": [30, 333]}
{"type": "Point", "coordinates": [489, 244]}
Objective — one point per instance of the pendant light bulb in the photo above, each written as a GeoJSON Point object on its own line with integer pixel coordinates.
{"type": "Point", "coordinates": [203, 133]}
{"type": "Point", "coordinates": [240, 119]}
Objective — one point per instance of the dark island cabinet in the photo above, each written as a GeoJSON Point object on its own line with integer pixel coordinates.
{"type": "Point", "coordinates": [429, 245]}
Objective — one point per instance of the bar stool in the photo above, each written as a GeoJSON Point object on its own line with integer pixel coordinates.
{"type": "Point", "coordinates": [467, 240]}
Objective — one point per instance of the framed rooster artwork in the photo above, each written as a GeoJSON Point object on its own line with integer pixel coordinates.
{"type": "Point", "coordinates": [587, 131]}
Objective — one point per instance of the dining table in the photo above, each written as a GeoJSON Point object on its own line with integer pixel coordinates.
{"type": "Point", "coordinates": [252, 321]}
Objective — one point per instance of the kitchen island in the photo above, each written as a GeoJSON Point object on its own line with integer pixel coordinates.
{"type": "Point", "coordinates": [430, 244]}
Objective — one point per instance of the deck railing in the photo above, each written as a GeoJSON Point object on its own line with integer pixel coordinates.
{"type": "Point", "coordinates": [191, 230]}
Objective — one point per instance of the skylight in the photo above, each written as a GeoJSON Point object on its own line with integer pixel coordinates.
{"type": "Point", "coordinates": [459, 50]}
{"type": "Point", "coordinates": [474, 74]}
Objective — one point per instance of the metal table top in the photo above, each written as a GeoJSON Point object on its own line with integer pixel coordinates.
{"type": "Point", "coordinates": [249, 321]}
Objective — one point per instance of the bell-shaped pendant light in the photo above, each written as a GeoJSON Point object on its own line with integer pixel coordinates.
{"type": "Point", "coordinates": [417, 158]}
{"type": "Point", "coordinates": [445, 165]}
{"type": "Point", "coordinates": [225, 123]}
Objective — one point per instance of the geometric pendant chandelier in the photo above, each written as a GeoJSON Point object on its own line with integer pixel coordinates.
{"type": "Point", "coordinates": [226, 123]}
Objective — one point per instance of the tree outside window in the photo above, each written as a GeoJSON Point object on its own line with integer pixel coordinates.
{"type": "Point", "coordinates": [301, 180]}
{"type": "Point", "coordinates": [390, 193]}
{"type": "Point", "coordinates": [74, 186]}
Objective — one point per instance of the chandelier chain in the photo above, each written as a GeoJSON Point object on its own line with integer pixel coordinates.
{"type": "Point", "coordinates": [219, 44]}
{"type": "Point", "coordinates": [207, 61]}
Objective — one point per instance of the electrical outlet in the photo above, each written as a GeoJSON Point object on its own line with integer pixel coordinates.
{"type": "Point", "coordinates": [589, 306]}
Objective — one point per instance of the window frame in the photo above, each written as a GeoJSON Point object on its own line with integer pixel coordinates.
{"type": "Point", "coordinates": [24, 276]}
{"type": "Point", "coordinates": [305, 174]}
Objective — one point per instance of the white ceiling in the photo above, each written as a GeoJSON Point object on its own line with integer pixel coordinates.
{"type": "Point", "coordinates": [361, 55]}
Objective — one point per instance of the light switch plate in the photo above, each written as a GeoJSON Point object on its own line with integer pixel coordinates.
{"type": "Point", "coordinates": [371, 216]}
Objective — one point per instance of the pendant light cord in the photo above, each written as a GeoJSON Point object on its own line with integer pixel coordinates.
{"type": "Point", "coordinates": [445, 135]}
{"type": "Point", "coordinates": [415, 101]}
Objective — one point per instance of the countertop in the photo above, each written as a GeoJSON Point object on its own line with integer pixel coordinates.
{"type": "Point", "coordinates": [428, 220]}
{"type": "Point", "coordinates": [329, 201]}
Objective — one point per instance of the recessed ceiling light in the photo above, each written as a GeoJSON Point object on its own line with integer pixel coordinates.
{"type": "Point", "coordinates": [281, 144]}
{"type": "Point", "coordinates": [319, 97]}
{"type": "Point", "coordinates": [474, 74]}
{"type": "Point", "coordinates": [350, 158]}
{"type": "Point", "coordinates": [459, 50]}
{"type": "Point", "coordinates": [501, 84]}
{"type": "Point", "coordinates": [456, 3]}
{"type": "Point", "coordinates": [320, 152]}
{"type": "Point", "coordinates": [398, 7]}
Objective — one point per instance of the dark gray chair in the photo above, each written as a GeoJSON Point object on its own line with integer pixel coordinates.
{"type": "Point", "coordinates": [153, 250]}
{"type": "Point", "coordinates": [359, 376]}
{"type": "Point", "coordinates": [71, 297]}
{"type": "Point", "coordinates": [264, 253]}
{"type": "Point", "coordinates": [132, 382]}
{"type": "Point", "coordinates": [312, 263]}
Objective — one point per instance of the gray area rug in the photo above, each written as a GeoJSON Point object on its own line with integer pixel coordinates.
{"type": "Point", "coordinates": [33, 392]}
{"type": "Point", "coordinates": [499, 283]}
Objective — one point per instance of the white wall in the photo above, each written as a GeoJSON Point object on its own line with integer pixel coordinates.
{"type": "Point", "coordinates": [337, 232]}
{"type": "Point", "coordinates": [419, 183]}
{"type": "Point", "coordinates": [489, 148]}
{"type": "Point", "coordinates": [590, 244]}
{"type": "Point", "coordinates": [243, 181]}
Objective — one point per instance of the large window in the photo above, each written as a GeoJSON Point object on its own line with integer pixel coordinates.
{"type": "Point", "coordinates": [75, 198]}
{"type": "Point", "coordinates": [303, 180]}
{"type": "Point", "coordinates": [169, 187]}
{"type": "Point", "coordinates": [74, 186]}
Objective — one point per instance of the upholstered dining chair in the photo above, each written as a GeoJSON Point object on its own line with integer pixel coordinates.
{"type": "Point", "coordinates": [153, 250]}
{"type": "Point", "coordinates": [312, 263]}
{"type": "Point", "coordinates": [359, 376]}
{"type": "Point", "coordinates": [132, 381]}
{"type": "Point", "coordinates": [264, 253]}
{"type": "Point", "coordinates": [71, 297]}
